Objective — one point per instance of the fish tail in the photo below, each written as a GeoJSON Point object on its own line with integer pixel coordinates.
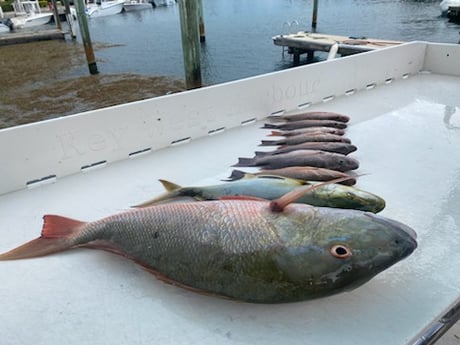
{"type": "Point", "coordinates": [245, 162]}
{"type": "Point", "coordinates": [270, 125]}
{"type": "Point", "coordinates": [57, 235]}
{"type": "Point", "coordinates": [276, 134]}
{"type": "Point", "coordinates": [269, 143]}
{"type": "Point", "coordinates": [263, 153]}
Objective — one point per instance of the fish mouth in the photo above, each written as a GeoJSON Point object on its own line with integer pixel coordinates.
{"type": "Point", "coordinates": [406, 233]}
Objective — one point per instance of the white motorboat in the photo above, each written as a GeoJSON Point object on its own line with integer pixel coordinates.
{"type": "Point", "coordinates": [445, 4]}
{"type": "Point", "coordinates": [137, 5]}
{"type": "Point", "coordinates": [104, 8]}
{"type": "Point", "coordinates": [28, 14]}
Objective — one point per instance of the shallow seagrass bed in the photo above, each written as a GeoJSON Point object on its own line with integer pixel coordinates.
{"type": "Point", "coordinates": [404, 103]}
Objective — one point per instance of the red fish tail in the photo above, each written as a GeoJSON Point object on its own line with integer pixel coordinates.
{"type": "Point", "coordinates": [57, 235]}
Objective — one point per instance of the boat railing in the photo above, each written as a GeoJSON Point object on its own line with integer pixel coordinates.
{"type": "Point", "coordinates": [26, 8]}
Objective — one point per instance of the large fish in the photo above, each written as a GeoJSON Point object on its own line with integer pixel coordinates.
{"type": "Point", "coordinates": [303, 138]}
{"type": "Point", "coordinates": [300, 173]}
{"type": "Point", "coordinates": [254, 251]}
{"type": "Point", "coordinates": [315, 158]}
{"type": "Point", "coordinates": [312, 115]}
{"type": "Point", "coordinates": [337, 147]}
{"type": "Point", "coordinates": [308, 130]}
{"type": "Point", "coordinates": [306, 123]}
{"type": "Point", "coordinates": [272, 187]}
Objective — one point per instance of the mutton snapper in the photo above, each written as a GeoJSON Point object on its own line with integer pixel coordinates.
{"type": "Point", "coordinates": [337, 147]}
{"type": "Point", "coordinates": [306, 123]}
{"type": "Point", "coordinates": [272, 187]}
{"type": "Point", "coordinates": [314, 158]}
{"type": "Point", "coordinates": [303, 138]}
{"type": "Point", "coordinates": [312, 115]}
{"type": "Point", "coordinates": [308, 130]}
{"type": "Point", "coordinates": [254, 251]}
{"type": "Point", "coordinates": [299, 173]}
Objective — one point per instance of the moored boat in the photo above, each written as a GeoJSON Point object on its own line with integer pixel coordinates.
{"type": "Point", "coordinates": [137, 5]}
{"type": "Point", "coordinates": [28, 14]}
{"type": "Point", "coordinates": [104, 8]}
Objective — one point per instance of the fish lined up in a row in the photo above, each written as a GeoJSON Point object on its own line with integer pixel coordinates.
{"type": "Point", "coordinates": [313, 148]}
{"type": "Point", "coordinates": [248, 249]}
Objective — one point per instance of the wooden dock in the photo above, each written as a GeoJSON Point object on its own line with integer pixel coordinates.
{"type": "Point", "coordinates": [31, 36]}
{"type": "Point", "coordinates": [308, 42]}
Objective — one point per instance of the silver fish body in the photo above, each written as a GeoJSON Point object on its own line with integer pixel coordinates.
{"type": "Point", "coordinates": [241, 249]}
{"type": "Point", "coordinates": [299, 173]}
{"type": "Point", "coordinates": [271, 187]}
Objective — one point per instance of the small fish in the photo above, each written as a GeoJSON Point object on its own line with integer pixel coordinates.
{"type": "Point", "coordinates": [303, 138]}
{"type": "Point", "coordinates": [315, 158]}
{"type": "Point", "coordinates": [308, 130]}
{"type": "Point", "coordinates": [337, 147]}
{"type": "Point", "coordinates": [299, 173]}
{"type": "Point", "coordinates": [305, 124]}
{"type": "Point", "coordinates": [312, 115]}
{"type": "Point", "coordinates": [248, 250]}
{"type": "Point", "coordinates": [270, 187]}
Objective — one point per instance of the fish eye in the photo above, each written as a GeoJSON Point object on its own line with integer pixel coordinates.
{"type": "Point", "coordinates": [340, 251]}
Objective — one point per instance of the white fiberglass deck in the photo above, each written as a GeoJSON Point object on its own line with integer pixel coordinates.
{"type": "Point", "coordinates": [406, 124]}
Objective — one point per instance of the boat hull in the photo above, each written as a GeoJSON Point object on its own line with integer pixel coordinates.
{"type": "Point", "coordinates": [107, 8]}
{"type": "Point", "coordinates": [135, 6]}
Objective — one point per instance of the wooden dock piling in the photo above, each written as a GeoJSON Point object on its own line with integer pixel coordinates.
{"type": "Point", "coordinates": [315, 14]}
{"type": "Point", "coordinates": [188, 11]}
{"type": "Point", "coordinates": [83, 22]}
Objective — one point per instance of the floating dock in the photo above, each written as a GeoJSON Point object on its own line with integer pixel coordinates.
{"type": "Point", "coordinates": [31, 36]}
{"type": "Point", "coordinates": [308, 42]}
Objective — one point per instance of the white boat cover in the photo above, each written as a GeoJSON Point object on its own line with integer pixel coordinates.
{"type": "Point", "coordinates": [405, 109]}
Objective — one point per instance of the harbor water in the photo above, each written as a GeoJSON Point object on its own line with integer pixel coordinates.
{"type": "Point", "coordinates": [139, 54]}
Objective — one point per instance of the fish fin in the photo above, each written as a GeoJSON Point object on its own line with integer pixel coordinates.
{"type": "Point", "coordinates": [245, 162]}
{"type": "Point", "coordinates": [279, 204]}
{"type": "Point", "coordinates": [57, 233]}
{"type": "Point", "coordinates": [236, 175]}
{"type": "Point", "coordinates": [165, 279]}
{"type": "Point", "coordinates": [241, 197]}
{"type": "Point", "coordinates": [169, 186]}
